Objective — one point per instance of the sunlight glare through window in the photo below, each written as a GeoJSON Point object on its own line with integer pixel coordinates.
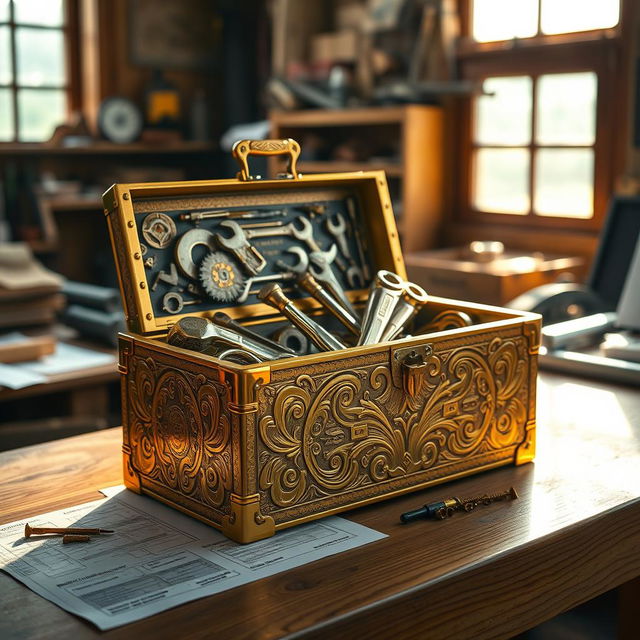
{"type": "Point", "coordinates": [501, 181]}
{"type": "Point", "coordinates": [504, 19]}
{"type": "Point", "coordinates": [503, 113]}
{"type": "Point", "coordinates": [567, 16]}
{"type": "Point", "coordinates": [566, 108]}
{"type": "Point", "coordinates": [564, 183]}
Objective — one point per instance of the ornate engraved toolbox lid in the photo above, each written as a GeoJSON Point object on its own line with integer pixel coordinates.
{"type": "Point", "coordinates": [195, 248]}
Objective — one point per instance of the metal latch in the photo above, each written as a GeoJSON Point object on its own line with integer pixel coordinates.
{"type": "Point", "coordinates": [409, 368]}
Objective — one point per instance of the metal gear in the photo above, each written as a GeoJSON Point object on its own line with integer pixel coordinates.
{"type": "Point", "coordinates": [220, 277]}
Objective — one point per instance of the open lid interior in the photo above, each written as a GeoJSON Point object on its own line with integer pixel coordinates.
{"type": "Point", "coordinates": [195, 248]}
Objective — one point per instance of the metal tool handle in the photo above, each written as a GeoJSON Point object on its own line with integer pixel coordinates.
{"type": "Point", "coordinates": [242, 149]}
{"type": "Point", "coordinates": [322, 338]}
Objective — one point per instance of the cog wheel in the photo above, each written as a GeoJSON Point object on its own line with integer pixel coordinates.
{"type": "Point", "coordinates": [220, 277]}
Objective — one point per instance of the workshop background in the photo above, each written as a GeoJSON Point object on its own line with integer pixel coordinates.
{"type": "Point", "coordinates": [508, 125]}
{"type": "Point", "coordinates": [506, 131]}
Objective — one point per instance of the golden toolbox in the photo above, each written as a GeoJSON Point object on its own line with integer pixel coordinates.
{"type": "Point", "coordinates": [251, 449]}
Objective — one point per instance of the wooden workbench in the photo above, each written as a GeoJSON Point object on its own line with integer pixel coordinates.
{"type": "Point", "coordinates": [573, 534]}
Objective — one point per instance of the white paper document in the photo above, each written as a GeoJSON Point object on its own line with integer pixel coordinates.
{"type": "Point", "coordinates": [14, 378]}
{"type": "Point", "coordinates": [65, 358]}
{"type": "Point", "coordinates": [156, 559]}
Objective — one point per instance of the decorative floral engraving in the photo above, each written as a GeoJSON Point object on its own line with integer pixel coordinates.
{"type": "Point", "coordinates": [178, 434]}
{"type": "Point", "coordinates": [337, 432]}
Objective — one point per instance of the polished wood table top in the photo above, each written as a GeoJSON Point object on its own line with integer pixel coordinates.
{"type": "Point", "coordinates": [573, 534]}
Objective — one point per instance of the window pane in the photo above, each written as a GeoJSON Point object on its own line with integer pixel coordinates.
{"type": "Point", "coordinates": [565, 16]}
{"type": "Point", "coordinates": [4, 10]}
{"type": "Point", "coordinates": [501, 180]}
{"type": "Point", "coordinates": [43, 12]}
{"type": "Point", "coordinates": [40, 111]}
{"type": "Point", "coordinates": [6, 115]}
{"type": "Point", "coordinates": [40, 57]}
{"type": "Point", "coordinates": [566, 108]}
{"type": "Point", "coordinates": [504, 19]}
{"type": "Point", "coordinates": [564, 183]}
{"type": "Point", "coordinates": [505, 116]}
{"type": "Point", "coordinates": [5, 56]}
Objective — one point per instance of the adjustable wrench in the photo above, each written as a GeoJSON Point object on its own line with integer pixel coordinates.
{"type": "Point", "coordinates": [250, 257]}
{"type": "Point", "coordinates": [238, 243]}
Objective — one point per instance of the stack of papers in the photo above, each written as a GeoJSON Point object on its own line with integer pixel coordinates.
{"type": "Point", "coordinates": [156, 559]}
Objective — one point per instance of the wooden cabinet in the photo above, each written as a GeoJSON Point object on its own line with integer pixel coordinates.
{"type": "Point", "coordinates": [405, 141]}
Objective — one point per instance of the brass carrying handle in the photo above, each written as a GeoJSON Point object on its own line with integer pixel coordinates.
{"type": "Point", "coordinates": [242, 149]}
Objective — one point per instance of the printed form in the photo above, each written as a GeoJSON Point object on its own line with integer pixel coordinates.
{"type": "Point", "coordinates": [156, 559]}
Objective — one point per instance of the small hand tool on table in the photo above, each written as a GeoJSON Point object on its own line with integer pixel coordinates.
{"type": "Point", "coordinates": [446, 508]}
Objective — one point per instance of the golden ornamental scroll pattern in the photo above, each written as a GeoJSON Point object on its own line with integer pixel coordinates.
{"type": "Point", "coordinates": [178, 432]}
{"type": "Point", "coordinates": [326, 435]}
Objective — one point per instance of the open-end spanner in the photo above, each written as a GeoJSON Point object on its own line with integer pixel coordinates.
{"type": "Point", "coordinates": [286, 275]}
{"type": "Point", "coordinates": [301, 266]}
{"type": "Point", "coordinates": [320, 268]}
{"type": "Point", "coordinates": [337, 227]}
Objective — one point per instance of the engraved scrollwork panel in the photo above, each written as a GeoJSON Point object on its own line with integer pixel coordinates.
{"type": "Point", "coordinates": [324, 435]}
{"type": "Point", "coordinates": [179, 434]}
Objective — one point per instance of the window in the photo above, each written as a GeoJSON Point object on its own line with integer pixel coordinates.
{"type": "Point", "coordinates": [506, 19]}
{"type": "Point", "coordinates": [537, 143]}
{"type": "Point", "coordinates": [535, 155]}
{"type": "Point", "coordinates": [33, 69]}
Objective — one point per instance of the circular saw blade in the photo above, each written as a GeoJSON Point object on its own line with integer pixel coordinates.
{"type": "Point", "coordinates": [220, 277]}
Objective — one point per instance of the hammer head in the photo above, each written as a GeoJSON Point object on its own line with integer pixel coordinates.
{"type": "Point", "coordinates": [192, 333]}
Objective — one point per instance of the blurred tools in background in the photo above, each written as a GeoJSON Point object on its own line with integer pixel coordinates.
{"type": "Point", "coordinates": [360, 52]}
{"type": "Point", "coordinates": [95, 312]}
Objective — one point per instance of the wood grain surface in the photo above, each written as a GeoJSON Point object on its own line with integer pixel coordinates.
{"type": "Point", "coordinates": [573, 534]}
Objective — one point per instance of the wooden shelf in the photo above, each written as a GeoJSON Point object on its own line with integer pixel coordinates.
{"type": "Point", "coordinates": [330, 166]}
{"type": "Point", "coordinates": [418, 132]}
{"type": "Point", "coordinates": [105, 148]}
{"type": "Point", "coordinates": [342, 117]}
{"type": "Point", "coordinates": [72, 203]}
